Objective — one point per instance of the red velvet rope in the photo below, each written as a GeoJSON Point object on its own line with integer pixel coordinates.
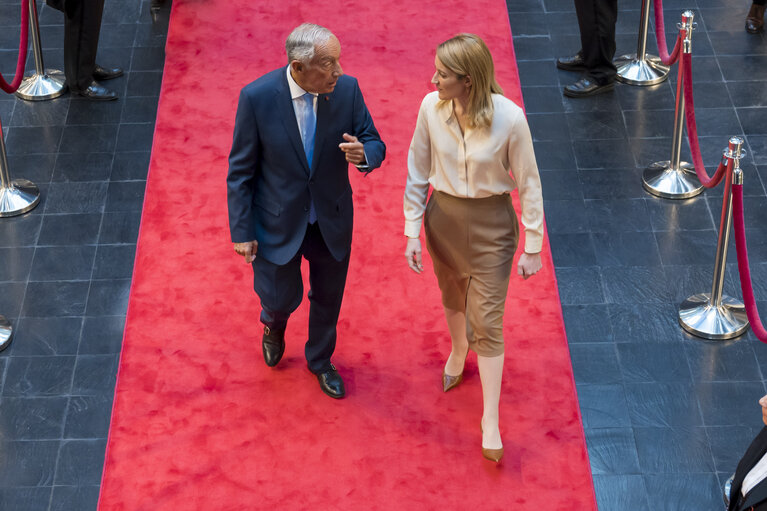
{"type": "Point", "coordinates": [660, 37]}
{"type": "Point", "coordinates": [743, 268]}
{"type": "Point", "coordinates": [685, 65]}
{"type": "Point", "coordinates": [22, 60]}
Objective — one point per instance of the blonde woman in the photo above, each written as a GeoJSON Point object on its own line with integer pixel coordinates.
{"type": "Point", "coordinates": [467, 138]}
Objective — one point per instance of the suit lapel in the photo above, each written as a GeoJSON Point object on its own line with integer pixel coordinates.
{"type": "Point", "coordinates": [288, 118]}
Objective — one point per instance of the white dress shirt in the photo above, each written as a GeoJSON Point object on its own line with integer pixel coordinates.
{"type": "Point", "coordinates": [296, 93]}
{"type": "Point", "coordinates": [754, 476]}
{"type": "Point", "coordinates": [473, 164]}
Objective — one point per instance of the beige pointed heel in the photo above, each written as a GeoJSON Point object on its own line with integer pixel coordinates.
{"type": "Point", "coordinates": [494, 455]}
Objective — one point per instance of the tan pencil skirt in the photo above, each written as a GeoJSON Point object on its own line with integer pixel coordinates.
{"type": "Point", "coordinates": [472, 244]}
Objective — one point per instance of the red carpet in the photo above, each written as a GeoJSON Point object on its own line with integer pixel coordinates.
{"type": "Point", "coordinates": [200, 423]}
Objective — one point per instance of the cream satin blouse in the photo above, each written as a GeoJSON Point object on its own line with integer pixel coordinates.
{"type": "Point", "coordinates": [474, 164]}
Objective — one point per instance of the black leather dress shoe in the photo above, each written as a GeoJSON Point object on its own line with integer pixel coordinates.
{"type": "Point", "coordinates": [587, 87]}
{"type": "Point", "coordinates": [331, 383]}
{"type": "Point", "coordinates": [273, 345]}
{"type": "Point", "coordinates": [574, 63]}
{"type": "Point", "coordinates": [96, 92]}
{"type": "Point", "coordinates": [101, 73]}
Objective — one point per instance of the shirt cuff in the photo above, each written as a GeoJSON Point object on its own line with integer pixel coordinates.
{"type": "Point", "coordinates": [412, 228]}
{"type": "Point", "coordinates": [363, 167]}
{"type": "Point", "coordinates": [533, 243]}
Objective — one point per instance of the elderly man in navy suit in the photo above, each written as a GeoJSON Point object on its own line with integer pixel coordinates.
{"type": "Point", "coordinates": [296, 131]}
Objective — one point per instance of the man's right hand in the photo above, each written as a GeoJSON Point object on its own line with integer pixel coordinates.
{"type": "Point", "coordinates": [247, 249]}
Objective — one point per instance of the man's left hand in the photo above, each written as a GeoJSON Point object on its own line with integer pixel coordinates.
{"type": "Point", "coordinates": [355, 151]}
{"type": "Point", "coordinates": [528, 265]}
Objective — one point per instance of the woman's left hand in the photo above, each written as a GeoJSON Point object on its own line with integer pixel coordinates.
{"type": "Point", "coordinates": [528, 265]}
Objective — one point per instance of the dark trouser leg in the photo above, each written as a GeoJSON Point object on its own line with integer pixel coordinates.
{"type": "Point", "coordinates": [82, 24]}
{"type": "Point", "coordinates": [596, 19]}
{"type": "Point", "coordinates": [327, 278]}
{"type": "Point", "coordinates": [280, 289]}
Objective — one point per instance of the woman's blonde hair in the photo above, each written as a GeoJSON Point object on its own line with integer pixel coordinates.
{"type": "Point", "coordinates": [467, 55]}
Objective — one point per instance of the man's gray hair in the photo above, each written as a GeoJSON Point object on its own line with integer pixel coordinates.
{"type": "Point", "coordinates": [300, 43]}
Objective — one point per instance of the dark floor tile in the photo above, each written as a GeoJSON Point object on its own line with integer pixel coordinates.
{"type": "Point", "coordinates": [144, 83]}
{"type": "Point", "coordinates": [80, 462]}
{"type": "Point", "coordinates": [672, 492]}
{"type": "Point", "coordinates": [599, 125]}
{"type": "Point", "coordinates": [11, 297]}
{"type": "Point", "coordinates": [747, 93]}
{"type": "Point", "coordinates": [25, 498]}
{"type": "Point", "coordinates": [548, 126]}
{"type": "Point", "coordinates": [88, 417]}
{"type": "Point", "coordinates": [62, 263]}
{"type": "Point", "coordinates": [673, 450]}
{"type": "Point", "coordinates": [687, 247]}
{"type": "Point", "coordinates": [23, 140]}
{"type": "Point", "coordinates": [729, 443]}
{"type": "Point", "coordinates": [729, 403]}
{"type": "Point", "coordinates": [626, 249]}
{"type": "Point", "coordinates": [612, 451]}
{"type": "Point", "coordinates": [93, 138]}
{"type": "Point", "coordinates": [135, 137]}
{"type": "Point", "coordinates": [120, 227]}
{"type": "Point", "coordinates": [125, 196]}
{"type": "Point", "coordinates": [150, 34]}
{"type": "Point", "coordinates": [653, 362]}
{"type": "Point", "coordinates": [652, 151]}
{"type": "Point", "coordinates": [717, 122]}
{"type": "Point", "coordinates": [127, 13]}
{"type": "Point", "coordinates": [617, 183]}
{"type": "Point", "coordinates": [38, 376]}
{"type": "Point", "coordinates": [587, 323]}
{"type": "Point", "coordinates": [78, 229]}
{"type": "Point", "coordinates": [539, 72]}
{"type": "Point", "coordinates": [150, 58]}
{"type": "Point", "coordinates": [20, 231]}
{"type": "Point", "coordinates": [603, 154]}
{"type": "Point", "coordinates": [27, 463]}
{"type": "Point", "coordinates": [603, 406]}
{"type": "Point", "coordinates": [66, 498]}
{"type": "Point", "coordinates": [95, 375]}
{"type": "Point", "coordinates": [114, 262]}
{"type": "Point", "coordinates": [707, 95]}
{"type": "Point", "coordinates": [640, 284]}
{"type": "Point", "coordinates": [139, 109]}
{"type": "Point", "coordinates": [102, 335]}
{"type": "Point", "coordinates": [551, 155]}
{"type": "Point", "coordinates": [566, 216]}
{"type": "Point", "coordinates": [618, 215]}
{"type": "Point", "coordinates": [16, 263]}
{"type": "Point", "coordinates": [130, 166]}
{"type": "Point", "coordinates": [572, 250]}
{"type": "Point", "coordinates": [722, 361]}
{"type": "Point", "coordinates": [684, 215]}
{"type": "Point", "coordinates": [561, 185]}
{"type": "Point", "coordinates": [649, 123]}
{"type": "Point", "coordinates": [40, 113]}
{"type": "Point", "coordinates": [527, 24]}
{"type": "Point", "coordinates": [83, 167]}
{"type": "Point", "coordinates": [117, 35]}
{"type": "Point", "coordinates": [34, 418]}
{"type": "Point", "coordinates": [607, 102]}
{"type": "Point", "coordinates": [758, 146]}
{"type": "Point", "coordinates": [643, 322]}
{"type": "Point", "coordinates": [734, 66]}
{"type": "Point", "coordinates": [595, 363]}
{"type": "Point", "coordinates": [55, 299]}
{"type": "Point", "coordinates": [662, 405]}
{"type": "Point", "coordinates": [37, 168]}
{"type": "Point", "coordinates": [108, 297]}
{"type": "Point", "coordinates": [621, 492]}
{"type": "Point", "coordinates": [46, 336]}
{"type": "Point", "coordinates": [657, 97]}
{"type": "Point", "coordinates": [76, 197]}
{"type": "Point", "coordinates": [579, 286]}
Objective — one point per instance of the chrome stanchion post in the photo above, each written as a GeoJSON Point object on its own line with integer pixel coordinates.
{"type": "Point", "coordinates": [6, 332]}
{"type": "Point", "coordinates": [675, 179]}
{"type": "Point", "coordinates": [17, 196]}
{"type": "Point", "coordinates": [716, 315]}
{"type": "Point", "coordinates": [640, 68]}
{"type": "Point", "coordinates": [43, 83]}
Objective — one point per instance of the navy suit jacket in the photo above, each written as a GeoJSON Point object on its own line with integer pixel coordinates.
{"type": "Point", "coordinates": [757, 497]}
{"type": "Point", "coordinates": [271, 185]}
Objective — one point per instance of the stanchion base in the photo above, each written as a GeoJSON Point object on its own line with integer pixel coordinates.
{"type": "Point", "coordinates": [38, 87]}
{"type": "Point", "coordinates": [18, 198]}
{"type": "Point", "coordinates": [700, 318]}
{"type": "Point", "coordinates": [661, 180]}
{"type": "Point", "coordinates": [6, 332]}
{"type": "Point", "coordinates": [648, 71]}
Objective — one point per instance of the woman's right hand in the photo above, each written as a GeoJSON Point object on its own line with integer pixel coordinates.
{"type": "Point", "coordinates": [413, 254]}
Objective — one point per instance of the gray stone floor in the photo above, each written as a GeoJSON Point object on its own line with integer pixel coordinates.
{"type": "Point", "coordinates": [65, 267]}
{"type": "Point", "coordinates": [667, 416]}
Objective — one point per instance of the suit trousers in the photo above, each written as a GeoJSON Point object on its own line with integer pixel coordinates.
{"type": "Point", "coordinates": [280, 289]}
{"type": "Point", "coordinates": [82, 26]}
{"type": "Point", "coordinates": [596, 19]}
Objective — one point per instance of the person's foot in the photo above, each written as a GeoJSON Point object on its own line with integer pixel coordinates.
{"type": "Point", "coordinates": [587, 87]}
{"type": "Point", "coordinates": [452, 375]}
{"type": "Point", "coordinates": [102, 73]}
{"type": "Point", "coordinates": [273, 345]}
{"type": "Point", "coordinates": [96, 92]}
{"type": "Point", "coordinates": [492, 447]}
{"type": "Point", "coordinates": [331, 383]}
{"type": "Point", "coordinates": [755, 19]}
{"type": "Point", "coordinates": [574, 63]}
